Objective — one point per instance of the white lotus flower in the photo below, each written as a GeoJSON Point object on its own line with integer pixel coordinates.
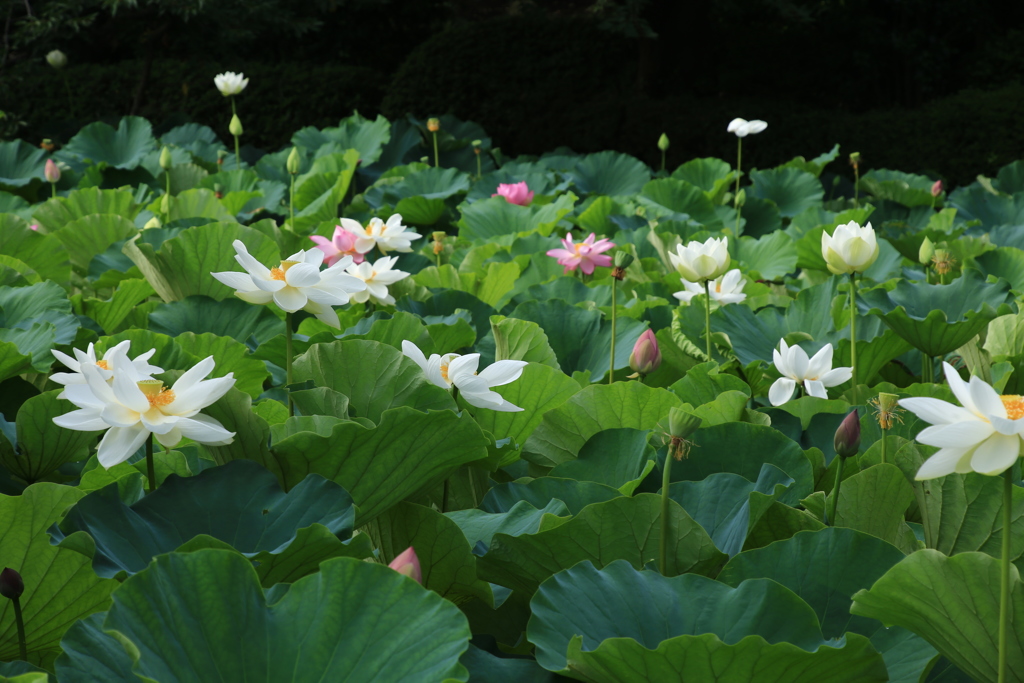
{"type": "Point", "coordinates": [88, 357]}
{"type": "Point", "coordinates": [297, 283]}
{"type": "Point", "coordinates": [229, 83]}
{"type": "Point", "coordinates": [983, 436]}
{"type": "Point", "coordinates": [390, 236]}
{"type": "Point", "coordinates": [742, 128]}
{"type": "Point", "coordinates": [816, 373]}
{"type": "Point", "coordinates": [453, 370]}
{"type": "Point", "coordinates": [698, 262]}
{"type": "Point", "coordinates": [850, 248]}
{"type": "Point", "coordinates": [131, 409]}
{"type": "Point", "coordinates": [377, 278]}
{"type": "Point", "coordinates": [728, 289]}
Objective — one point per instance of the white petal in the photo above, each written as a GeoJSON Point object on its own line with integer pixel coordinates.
{"type": "Point", "coordinates": [684, 296]}
{"type": "Point", "coordinates": [67, 360]}
{"type": "Point", "coordinates": [781, 391]}
{"type": "Point", "coordinates": [836, 376]}
{"type": "Point", "coordinates": [204, 393]}
{"type": "Point", "coordinates": [820, 363]}
{"type": "Point", "coordinates": [967, 434]}
{"type": "Point", "coordinates": [205, 430]}
{"type": "Point", "coordinates": [936, 411]}
{"type": "Point", "coordinates": [959, 388]}
{"type": "Point", "coordinates": [116, 415]}
{"type": "Point", "coordinates": [463, 366]}
{"type": "Point", "coordinates": [798, 362]}
{"type": "Point", "coordinates": [119, 444]}
{"type": "Point", "coordinates": [996, 455]}
{"type": "Point", "coordinates": [257, 297]}
{"type": "Point", "coordinates": [324, 314]}
{"type": "Point", "coordinates": [502, 372]}
{"type": "Point", "coordinates": [1004, 426]}
{"type": "Point", "coordinates": [85, 420]}
{"type": "Point", "coordinates": [412, 352]}
{"type": "Point", "coordinates": [290, 299]}
{"type": "Point", "coordinates": [985, 398]}
{"type": "Point", "coordinates": [269, 285]}
{"type": "Point", "coordinates": [127, 391]}
{"type": "Point", "coordinates": [303, 274]}
{"type": "Point", "coordinates": [815, 388]}
{"type": "Point", "coordinates": [169, 439]}
{"type": "Point", "coordinates": [194, 375]}
{"type": "Point", "coordinates": [239, 281]}
{"type": "Point", "coordinates": [943, 462]}
{"type": "Point", "coordinates": [251, 265]}
{"type": "Point", "coordinates": [158, 423]}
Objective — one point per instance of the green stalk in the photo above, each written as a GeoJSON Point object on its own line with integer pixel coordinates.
{"type": "Point", "coordinates": [736, 193]}
{"type": "Point", "coordinates": [22, 647]}
{"type": "Point", "coordinates": [856, 186]}
{"type": "Point", "coordinates": [662, 160]}
{"type": "Point", "coordinates": [666, 477]}
{"type": "Point", "coordinates": [53, 187]}
{"type": "Point", "coordinates": [291, 203]}
{"type": "Point", "coordinates": [288, 360]}
{"type": "Point", "coordinates": [611, 364]}
{"type": "Point", "coordinates": [479, 165]}
{"type": "Point", "coordinates": [707, 315]}
{"type": "Point", "coordinates": [437, 157]}
{"type": "Point", "coordinates": [1004, 583]}
{"type": "Point", "coordinates": [150, 467]}
{"type": "Point", "coordinates": [927, 368]}
{"type": "Point", "coordinates": [238, 157]}
{"type": "Point", "coordinates": [831, 521]}
{"type": "Point", "coordinates": [853, 333]}
{"type": "Point", "coordinates": [71, 100]}
{"type": "Point", "coordinates": [883, 446]}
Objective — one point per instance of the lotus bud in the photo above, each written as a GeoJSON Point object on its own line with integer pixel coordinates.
{"type": "Point", "coordinates": [663, 143]}
{"type": "Point", "coordinates": [646, 356]}
{"type": "Point", "coordinates": [621, 261]}
{"type": "Point", "coordinates": [56, 59]}
{"type": "Point", "coordinates": [433, 125]}
{"type": "Point", "coordinates": [847, 440]}
{"type": "Point", "coordinates": [236, 126]}
{"type": "Point", "coordinates": [165, 158]}
{"type": "Point", "coordinates": [741, 197]}
{"type": "Point", "coordinates": [11, 584]}
{"type": "Point", "coordinates": [153, 222]}
{"type": "Point", "coordinates": [407, 564]}
{"type": "Point", "coordinates": [925, 253]}
{"type": "Point", "coordinates": [855, 159]}
{"type": "Point", "coordinates": [165, 204]}
{"type": "Point", "coordinates": [424, 160]}
{"type": "Point", "coordinates": [51, 171]}
{"type": "Point", "coordinates": [937, 188]}
{"type": "Point", "coordinates": [294, 161]}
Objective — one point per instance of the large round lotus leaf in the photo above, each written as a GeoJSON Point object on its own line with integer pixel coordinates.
{"type": "Point", "coordinates": [485, 667]}
{"type": "Point", "coordinates": [430, 183]}
{"type": "Point", "coordinates": [57, 212]}
{"type": "Point", "coordinates": [42, 447]}
{"type": "Point", "coordinates": [494, 219]}
{"type": "Point", "coordinates": [938, 319]}
{"type": "Point", "coordinates": [907, 189]}
{"type": "Point", "coordinates": [953, 603]}
{"type": "Point", "coordinates": [761, 217]}
{"type": "Point", "coordinates": [242, 505]}
{"type": "Point", "coordinates": [88, 236]}
{"type": "Point", "coordinates": [538, 390]}
{"type": "Point", "coordinates": [772, 256]}
{"type": "Point", "coordinates": [124, 147]}
{"type": "Point", "coordinates": [613, 623]}
{"type": "Point", "coordinates": [20, 163]}
{"type": "Point", "coordinates": [614, 457]}
{"type": "Point", "coordinates": [479, 526]}
{"type": "Point", "coordinates": [974, 202]}
{"type": "Point", "coordinates": [228, 318]}
{"type": "Point", "coordinates": [539, 492]}
{"type": "Point", "coordinates": [354, 132]}
{"type": "Point", "coordinates": [680, 197]}
{"type": "Point", "coordinates": [1010, 178]}
{"type": "Point", "coordinates": [712, 175]}
{"type": "Point", "coordinates": [203, 616]}
{"type": "Point", "coordinates": [42, 253]}
{"type": "Point", "coordinates": [792, 190]}
{"type": "Point", "coordinates": [110, 314]}
{"type": "Point", "coordinates": [448, 302]}
{"type": "Point", "coordinates": [1004, 262]}
{"type": "Point", "coordinates": [610, 173]}
{"type": "Point", "coordinates": [620, 529]}
{"type": "Point", "coordinates": [91, 655]}
{"type": "Point", "coordinates": [60, 585]}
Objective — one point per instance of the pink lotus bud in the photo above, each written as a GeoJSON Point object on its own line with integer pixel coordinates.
{"type": "Point", "coordinates": [407, 564]}
{"type": "Point", "coordinates": [34, 226]}
{"type": "Point", "coordinates": [646, 356]}
{"type": "Point", "coordinates": [51, 171]}
{"type": "Point", "coordinates": [515, 193]}
{"type": "Point", "coordinates": [937, 188]}
{"type": "Point", "coordinates": [847, 441]}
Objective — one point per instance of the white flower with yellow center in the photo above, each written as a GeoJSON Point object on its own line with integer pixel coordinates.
{"type": "Point", "coordinates": [88, 357]}
{"type": "Point", "coordinates": [390, 236]}
{"type": "Point", "coordinates": [377, 278]}
{"type": "Point", "coordinates": [452, 370]}
{"type": "Point", "coordinates": [815, 373]}
{"type": "Point", "coordinates": [297, 283]}
{"type": "Point", "coordinates": [702, 261]}
{"type": "Point", "coordinates": [983, 436]}
{"type": "Point", "coordinates": [850, 248]}
{"type": "Point", "coordinates": [131, 409]}
{"type": "Point", "coordinates": [728, 289]}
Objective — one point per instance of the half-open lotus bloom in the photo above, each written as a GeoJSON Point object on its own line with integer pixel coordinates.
{"type": "Point", "coordinates": [377, 277]}
{"type": "Point", "coordinates": [140, 365]}
{"type": "Point", "coordinates": [815, 373]}
{"type": "Point", "coordinates": [983, 436]}
{"type": "Point", "coordinates": [742, 128]}
{"type": "Point", "coordinates": [296, 284]}
{"type": "Point", "coordinates": [131, 409]}
{"type": "Point", "coordinates": [408, 564]}
{"type": "Point", "coordinates": [341, 244]}
{"type": "Point", "coordinates": [702, 261]}
{"type": "Point", "coordinates": [229, 83]}
{"type": "Point", "coordinates": [727, 289]}
{"type": "Point", "coordinates": [390, 236]}
{"type": "Point", "coordinates": [646, 356]}
{"type": "Point", "coordinates": [585, 255]}
{"type": "Point", "coordinates": [850, 248]}
{"type": "Point", "coordinates": [453, 370]}
{"type": "Point", "coordinates": [515, 193]}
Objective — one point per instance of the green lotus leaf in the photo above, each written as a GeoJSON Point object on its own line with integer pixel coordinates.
{"type": "Point", "coordinates": [203, 616]}
{"type": "Point", "coordinates": [873, 501]}
{"type": "Point", "coordinates": [496, 220]}
{"type": "Point", "coordinates": [538, 390]}
{"type": "Point", "coordinates": [421, 211]}
{"type": "Point", "coordinates": [16, 273]}
{"type": "Point", "coordinates": [231, 356]}
{"type": "Point", "coordinates": [448, 564]}
{"type": "Point", "coordinates": [479, 526]}
{"type": "Point", "coordinates": [43, 447]}
{"type": "Point", "coordinates": [615, 457]}
{"type": "Point", "coordinates": [449, 302]}
{"type": "Point", "coordinates": [319, 191]}
{"type": "Point", "coordinates": [540, 492]}
{"type": "Point", "coordinates": [55, 213]}
{"type": "Point", "coordinates": [92, 656]}
{"type": "Point", "coordinates": [374, 376]}
{"type": "Point", "coordinates": [366, 136]}
{"type": "Point", "coordinates": [761, 218]}
{"type": "Point", "coordinates": [169, 355]}
{"type": "Point", "coordinates": [60, 585]}
{"type": "Point", "coordinates": [42, 253]}
{"type": "Point", "coordinates": [124, 147]}
{"type": "Point", "coordinates": [712, 175]}
{"type": "Point", "coordinates": [12, 203]}
{"type": "Point", "coordinates": [12, 361]}
{"type": "Point", "coordinates": [110, 314]}
{"type": "Point", "coordinates": [521, 340]}
{"type": "Point", "coordinates": [610, 173]}
{"type": "Point", "coordinates": [228, 318]}
{"type": "Point", "coordinates": [199, 203]}
{"type": "Point", "coordinates": [430, 183]}
{"type": "Point", "coordinates": [183, 265]}
{"type": "Point", "coordinates": [938, 319]}
{"type": "Point", "coordinates": [1004, 262]}
{"type": "Point", "coordinates": [975, 203]}
{"type": "Point", "coordinates": [907, 189]}
{"type": "Point", "coordinates": [564, 430]}
{"type": "Point", "coordinates": [792, 190]}
{"type": "Point", "coordinates": [773, 255]}
{"type": "Point", "coordinates": [953, 603]}
{"type": "Point", "coordinates": [408, 452]}
{"type": "Point", "coordinates": [681, 198]}
{"type": "Point", "coordinates": [816, 165]}
{"type": "Point", "coordinates": [610, 624]}
{"type": "Point", "coordinates": [20, 163]}
{"type": "Point", "coordinates": [619, 529]}
{"type": "Point", "coordinates": [488, 668]}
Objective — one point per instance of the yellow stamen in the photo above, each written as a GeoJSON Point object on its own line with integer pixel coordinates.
{"type": "Point", "coordinates": [155, 392]}
{"type": "Point", "coordinates": [718, 288]}
{"type": "Point", "coordinates": [1014, 406]}
{"type": "Point", "coordinates": [278, 273]}
{"type": "Point", "coordinates": [444, 370]}
{"type": "Point", "coordinates": [103, 364]}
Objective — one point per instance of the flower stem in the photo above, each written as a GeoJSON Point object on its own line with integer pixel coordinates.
{"type": "Point", "coordinates": [663, 160]}
{"type": "Point", "coordinates": [707, 315]}
{"type": "Point", "coordinates": [1004, 583]}
{"type": "Point", "coordinates": [53, 188]}
{"type": "Point", "coordinates": [437, 158]}
{"type": "Point", "coordinates": [479, 167]}
{"type": "Point", "coordinates": [856, 186]}
{"type": "Point", "coordinates": [736, 193]}
{"type": "Point", "coordinates": [853, 333]}
{"type": "Point", "coordinates": [71, 100]}
{"type": "Point", "coordinates": [238, 157]}
{"type": "Point", "coordinates": [20, 620]}
{"type": "Point", "coordinates": [666, 477]}
{"type": "Point", "coordinates": [150, 466]}
{"type": "Point", "coordinates": [288, 360]}
{"type": "Point", "coordinates": [611, 363]}
{"type": "Point", "coordinates": [927, 368]}
{"type": "Point", "coordinates": [291, 202]}
{"type": "Point", "coordinates": [883, 446]}
{"type": "Point", "coordinates": [831, 521]}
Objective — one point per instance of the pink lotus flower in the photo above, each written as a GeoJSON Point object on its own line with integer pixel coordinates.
{"type": "Point", "coordinates": [585, 255]}
{"type": "Point", "coordinates": [342, 244]}
{"type": "Point", "coordinates": [407, 564]}
{"type": "Point", "coordinates": [937, 188]}
{"type": "Point", "coordinates": [515, 193]}
{"type": "Point", "coordinates": [34, 226]}
{"type": "Point", "coordinates": [51, 171]}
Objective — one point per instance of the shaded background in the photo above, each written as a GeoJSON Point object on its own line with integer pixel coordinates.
{"type": "Point", "coordinates": [921, 86]}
